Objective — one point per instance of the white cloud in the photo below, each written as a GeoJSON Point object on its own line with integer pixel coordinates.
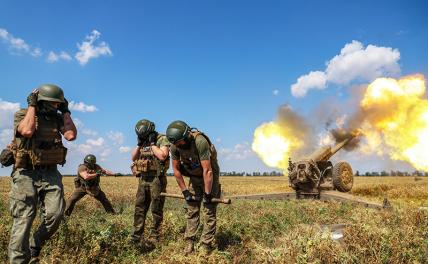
{"type": "Point", "coordinates": [87, 49]}
{"type": "Point", "coordinates": [18, 45]}
{"type": "Point", "coordinates": [354, 63]}
{"type": "Point", "coordinates": [239, 152]}
{"type": "Point", "coordinates": [7, 110]}
{"type": "Point", "coordinates": [275, 92]}
{"type": "Point", "coordinates": [105, 153]}
{"type": "Point", "coordinates": [313, 80]}
{"type": "Point", "coordinates": [123, 149]}
{"type": "Point", "coordinates": [6, 136]}
{"type": "Point", "coordinates": [95, 142]}
{"type": "Point", "coordinates": [116, 137]}
{"type": "Point", "coordinates": [53, 57]}
{"type": "Point", "coordinates": [82, 107]}
{"type": "Point", "coordinates": [89, 132]}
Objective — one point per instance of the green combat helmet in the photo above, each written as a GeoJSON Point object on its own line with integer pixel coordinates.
{"type": "Point", "coordinates": [177, 131]}
{"type": "Point", "coordinates": [51, 93]}
{"type": "Point", "coordinates": [90, 160]}
{"type": "Point", "coordinates": [144, 127]}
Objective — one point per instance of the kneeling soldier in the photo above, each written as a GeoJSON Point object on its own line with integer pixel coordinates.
{"type": "Point", "coordinates": [88, 182]}
{"type": "Point", "coordinates": [150, 163]}
{"type": "Point", "coordinates": [194, 155]}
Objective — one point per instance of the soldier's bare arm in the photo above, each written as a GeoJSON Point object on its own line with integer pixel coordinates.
{"type": "Point", "coordinates": [178, 176]}
{"type": "Point", "coordinates": [107, 172]}
{"type": "Point", "coordinates": [86, 175]}
{"type": "Point", "coordinates": [69, 130]}
{"type": "Point", "coordinates": [208, 175]}
{"type": "Point", "coordinates": [160, 153]}
{"type": "Point", "coordinates": [135, 153]}
{"type": "Point", "coordinates": [28, 125]}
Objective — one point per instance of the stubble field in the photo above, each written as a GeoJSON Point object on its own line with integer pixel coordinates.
{"type": "Point", "coordinates": [247, 231]}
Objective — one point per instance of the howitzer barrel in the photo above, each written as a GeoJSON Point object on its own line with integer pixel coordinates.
{"type": "Point", "coordinates": [214, 200]}
{"type": "Point", "coordinates": [326, 153]}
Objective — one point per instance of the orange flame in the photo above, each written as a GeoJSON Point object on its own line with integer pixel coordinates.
{"type": "Point", "coordinates": [396, 115]}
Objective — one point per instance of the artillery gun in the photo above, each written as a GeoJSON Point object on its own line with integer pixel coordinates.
{"type": "Point", "coordinates": [309, 176]}
{"type": "Point", "coordinates": [315, 177]}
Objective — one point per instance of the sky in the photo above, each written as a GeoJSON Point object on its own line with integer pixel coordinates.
{"type": "Point", "coordinates": [223, 66]}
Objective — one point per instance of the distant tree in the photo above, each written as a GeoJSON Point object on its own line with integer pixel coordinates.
{"type": "Point", "coordinates": [367, 173]}
{"type": "Point", "coordinates": [384, 173]}
{"type": "Point", "coordinates": [357, 173]}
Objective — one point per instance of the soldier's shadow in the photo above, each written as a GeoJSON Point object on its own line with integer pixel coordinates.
{"type": "Point", "coordinates": [146, 248]}
{"type": "Point", "coordinates": [226, 239]}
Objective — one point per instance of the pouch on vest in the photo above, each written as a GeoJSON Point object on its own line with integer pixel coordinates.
{"type": "Point", "coordinates": [22, 158]}
{"type": "Point", "coordinates": [6, 157]}
{"type": "Point", "coordinates": [48, 156]}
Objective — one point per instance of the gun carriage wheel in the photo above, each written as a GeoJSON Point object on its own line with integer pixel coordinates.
{"type": "Point", "coordinates": [343, 177]}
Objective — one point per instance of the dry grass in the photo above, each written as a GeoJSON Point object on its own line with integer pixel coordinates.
{"type": "Point", "coordinates": [248, 231]}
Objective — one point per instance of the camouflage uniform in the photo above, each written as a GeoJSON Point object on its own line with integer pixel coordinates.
{"type": "Point", "coordinates": [152, 181]}
{"type": "Point", "coordinates": [91, 187]}
{"type": "Point", "coordinates": [200, 149]}
{"type": "Point", "coordinates": [36, 182]}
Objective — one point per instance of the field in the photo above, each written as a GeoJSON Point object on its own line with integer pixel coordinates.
{"type": "Point", "coordinates": [248, 231]}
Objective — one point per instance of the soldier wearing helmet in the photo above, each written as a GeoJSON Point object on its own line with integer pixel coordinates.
{"type": "Point", "coordinates": [38, 149]}
{"type": "Point", "coordinates": [88, 182]}
{"type": "Point", "coordinates": [150, 164]}
{"type": "Point", "coordinates": [194, 155]}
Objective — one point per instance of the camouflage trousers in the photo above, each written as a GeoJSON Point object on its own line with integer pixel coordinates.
{"type": "Point", "coordinates": [149, 189]}
{"type": "Point", "coordinates": [32, 189]}
{"type": "Point", "coordinates": [80, 191]}
{"type": "Point", "coordinates": [196, 186]}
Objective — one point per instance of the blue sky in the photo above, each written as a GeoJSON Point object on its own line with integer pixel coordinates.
{"type": "Point", "coordinates": [222, 66]}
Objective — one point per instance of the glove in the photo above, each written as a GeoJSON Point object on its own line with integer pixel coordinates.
{"type": "Point", "coordinates": [207, 198]}
{"type": "Point", "coordinates": [188, 196]}
{"type": "Point", "coordinates": [140, 141]}
{"type": "Point", "coordinates": [152, 138]}
{"type": "Point", "coordinates": [63, 107]}
{"type": "Point", "coordinates": [32, 99]}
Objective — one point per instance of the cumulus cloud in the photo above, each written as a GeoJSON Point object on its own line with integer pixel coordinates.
{"type": "Point", "coordinates": [116, 137]}
{"type": "Point", "coordinates": [82, 107]}
{"type": "Point", "coordinates": [53, 57]}
{"type": "Point", "coordinates": [313, 80]}
{"type": "Point", "coordinates": [124, 149]}
{"type": "Point", "coordinates": [95, 142]}
{"type": "Point", "coordinates": [18, 45]}
{"type": "Point", "coordinates": [7, 110]}
{"type": "Point", "coordinates": [240, 151]}
{"type": "Point", "coordinates": [89, 132]}
{"type": "Point", "coordinates": [6, 136]}
{"type": "Point", "coordinates": [354, 63]}
{"type": "Point", "coordinates": [88, 49]}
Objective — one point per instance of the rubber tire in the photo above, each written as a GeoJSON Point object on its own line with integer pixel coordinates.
{"type": "Point", "coordinates": [340, 183]}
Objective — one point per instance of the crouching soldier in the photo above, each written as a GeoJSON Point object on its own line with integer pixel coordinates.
{"type": "Point", "coordinates": [88, 182]}
{"type": "Point", "coordinates": [194, 155]}
{"type": "Point", "coordinates": [36, 181]}
{"type": "Point", "coordinates": [150, 164]}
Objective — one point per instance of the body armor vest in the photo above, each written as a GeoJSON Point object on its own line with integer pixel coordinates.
{"type": "Point", "coordinates": [148, 162]}
{"type": "Point", "coordinates": [92, 182]}
{"type": "Point", "coordinates": [45, 147]}
{"type": "Point", "coordinates": [189, 158]}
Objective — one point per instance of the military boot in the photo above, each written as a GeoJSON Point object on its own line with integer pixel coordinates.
{"type": "Point", "coordinates": [205, 250]}
{"type": "Point", "coordinates": [190, 247]}
{"type": "Point", "coordinates": [35, 253]}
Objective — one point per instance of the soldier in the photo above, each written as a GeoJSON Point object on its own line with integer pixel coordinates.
{"type": "Point", "coordinates": [150, 163]}
{"type": "Point", "coordinates": [194, 155]}
{"type": "Point", "coordinates": [88, 182]}
{"type": "Point", "coordinates": [36, 182]}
